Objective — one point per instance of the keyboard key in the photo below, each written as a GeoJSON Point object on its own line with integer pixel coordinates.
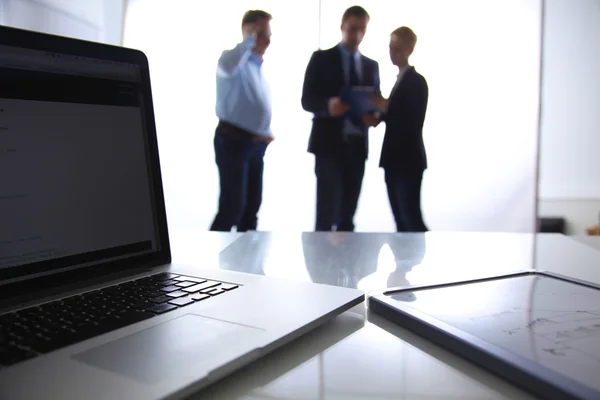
{"type": "Point", "coordinates": [168, 289]}
{"type": "Point", "coordinates": [201, 286]}
{"type": "Point", "coordinates": [177, 294]}
{"type": "Point", "coordinates": [191, 279]}
{"type": "Point", "coordinates": [217, 291]}
{"type": "Point", "coordinates": [165, 276]}
{"type": "Point", "coordinates": [169, 282]}
{"type": "Point", "coordinates": [161, 299]}
{"type": "Point", "coordinates": [185, 284]}
{"type": "Point", "coordinates": [199, 296]}
{"type": "Point", "coordinates": [162, 308]}
{"type": "Point", "coordinates": [182, 301]}
{"type": "Point", "coordinates": [228, 286]}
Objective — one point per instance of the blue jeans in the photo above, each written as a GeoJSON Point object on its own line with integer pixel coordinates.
{"type": "Point", "coordinates": [239, 159]}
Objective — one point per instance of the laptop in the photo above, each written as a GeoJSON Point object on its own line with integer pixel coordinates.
{"type": "Point", "coordinates": [91, 306]}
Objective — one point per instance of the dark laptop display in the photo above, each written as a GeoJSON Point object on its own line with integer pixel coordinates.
{"type": "Point", "coordinates": [80, 187]}
{"type": "Point", "coordinates": [77, 186]}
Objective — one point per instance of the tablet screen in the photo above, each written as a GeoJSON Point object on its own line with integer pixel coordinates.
{"type": "Point", "coordinates": [547, 320]}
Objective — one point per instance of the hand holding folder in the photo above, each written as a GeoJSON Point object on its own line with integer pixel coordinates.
{"type": "Point", "coordinates": [359, 98]}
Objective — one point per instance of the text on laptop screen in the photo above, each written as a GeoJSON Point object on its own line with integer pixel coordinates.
{"type": "Point", "coordinates": [73, 161]}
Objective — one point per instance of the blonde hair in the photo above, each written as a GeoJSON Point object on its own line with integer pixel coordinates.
{"type": "Point", "coordinates": [406, 34]}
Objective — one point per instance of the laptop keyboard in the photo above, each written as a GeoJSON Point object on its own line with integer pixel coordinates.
{"type": "Point", "coordinates": [33, 331]}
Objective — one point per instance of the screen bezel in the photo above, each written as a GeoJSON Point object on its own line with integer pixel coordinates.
{"type": "Point", "coordinates": [519, 370]}
{"type": "Point", "coordinates": [162, 255]}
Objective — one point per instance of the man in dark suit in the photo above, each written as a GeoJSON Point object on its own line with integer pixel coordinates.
{"type": "Point", "coordinates": [403, 156]}
{"type": "Point", "coordinates": [339, 141]}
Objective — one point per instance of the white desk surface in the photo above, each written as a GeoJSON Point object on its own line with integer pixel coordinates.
{"type": "Point", "coordinates": [592, 241]}
{"type": "Point", "coordinates": [359, 355]}
{"type": "Point", "coordinates": [199, 248]}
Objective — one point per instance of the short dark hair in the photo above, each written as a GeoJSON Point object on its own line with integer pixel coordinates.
{"type": "Point", "coordinates": [407, 34]}
{"type": "Point", "coordinates": [253, 16]}
{"type": "Point", "coordinates": [355, 11]}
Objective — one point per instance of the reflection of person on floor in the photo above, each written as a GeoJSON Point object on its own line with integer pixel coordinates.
{"type": "Point", "coordinates": [409, 251]}
{"type": "Point", "coordinates": [395, 258]}
{"type": "Point", "coordinates": [347, 259]}
{"type": "Point", "coordinates": [340, 258]}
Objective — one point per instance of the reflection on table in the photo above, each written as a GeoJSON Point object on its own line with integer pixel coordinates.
{"type": "Point", "coordinates": [364, 261]}
{"type": "Point", "coordinates": [375, 261]}
{"type": "Point", "coordinates": [355, 357]}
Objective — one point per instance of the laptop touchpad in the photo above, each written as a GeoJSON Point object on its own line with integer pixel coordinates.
{"type": "Point", "coordinates": [185, 344]}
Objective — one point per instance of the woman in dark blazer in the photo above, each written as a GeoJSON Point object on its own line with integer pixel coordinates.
{"type": "Point", "coordinates": [403, 156]}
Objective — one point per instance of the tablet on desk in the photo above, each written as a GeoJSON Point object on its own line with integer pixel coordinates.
{"type": "Point", "coordinates": [539, 330]}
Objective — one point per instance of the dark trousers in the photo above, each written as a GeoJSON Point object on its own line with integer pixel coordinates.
{"type": "Point", "coordinates": [339, 180]}
{"type": "Point", "coordinates": [404, 193]}
{"type": "Point", "coordinates": [240, 162]}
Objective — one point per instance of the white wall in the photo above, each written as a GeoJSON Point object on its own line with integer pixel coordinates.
{"type": "Point", "coordinates": [570, 137]}
{"type": "Point", "coordinates": [96, 20]}
{"type": "Point", "coordinates": [480, 130]}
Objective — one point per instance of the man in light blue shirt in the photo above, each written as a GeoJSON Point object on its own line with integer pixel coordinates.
{"type": "Point", "coordinates": [244, 131]}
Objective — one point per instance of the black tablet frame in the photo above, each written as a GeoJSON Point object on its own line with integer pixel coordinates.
{"type": "Point", "coordinates": [521, 371]}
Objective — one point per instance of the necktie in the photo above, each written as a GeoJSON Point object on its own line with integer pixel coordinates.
{"type": "Point", "coordinates": [353, 81]}
{"type": "Point", "coordinates": [353, 76]}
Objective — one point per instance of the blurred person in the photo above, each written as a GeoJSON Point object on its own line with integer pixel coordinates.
{"type": "Point", "coordinates": [244, 130]}
{"type": "Point", "coordinates": [338, 142]}
{"type": "Point", "coordinates": [403, 156]}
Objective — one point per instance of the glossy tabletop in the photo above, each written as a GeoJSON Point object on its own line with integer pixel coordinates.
{"type": "Point", "coordinates": [200, 248]}
{"type": "Point", "coordinates": [592, 241]}
{"type": "Point", "coordinates": [359, 355]}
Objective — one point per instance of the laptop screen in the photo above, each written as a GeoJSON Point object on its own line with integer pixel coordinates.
{"type": "Point", "coordinates": [74, 163]}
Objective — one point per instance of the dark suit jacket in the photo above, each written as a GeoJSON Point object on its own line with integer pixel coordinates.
{"type": "Point", "coordinates": [403, 149]}
{"type": "Point", "coordinates": [323, 80]}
